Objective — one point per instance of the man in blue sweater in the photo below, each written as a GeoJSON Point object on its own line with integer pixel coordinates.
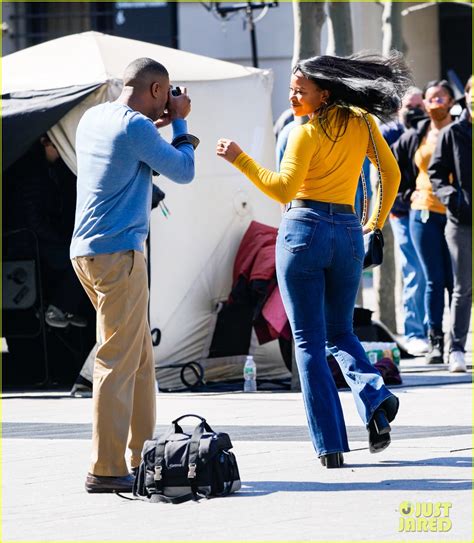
{"type": "Point", "coordinates": [118, 146]}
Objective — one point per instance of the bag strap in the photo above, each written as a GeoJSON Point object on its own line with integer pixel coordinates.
{"type": "Point", "coordinates": [365, 209]}
{"type": "Point", "coordinates": [160, 457]}
{"type": "Point", "coordinates": [198, 432]}
{"type": "Point", "coordinates": [155, 498]}
{"type": "Point", "coordinates": [179, 430]}
{"type": "Point", "coordinates": [193, 456]}
{"type": "Point", "coordinates": [158, 477]}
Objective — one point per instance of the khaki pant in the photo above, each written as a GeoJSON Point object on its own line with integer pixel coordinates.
{"type": "Point", "coordinates": [124, 377]}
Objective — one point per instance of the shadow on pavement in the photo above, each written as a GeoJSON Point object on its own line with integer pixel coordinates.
{"type": "Point", "coordinates": [261, 488]}
{"type": "Point", "coordinates": [450, 461]}
{"type": "Point", "coordinates": [424, 379]}
{"type": "Point", "coordinates": [66, 396]}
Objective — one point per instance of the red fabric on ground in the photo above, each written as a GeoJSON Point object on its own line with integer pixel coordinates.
{"type": "Point", "coordinates": [256, 255]}
{"type": "Point", "coordinates": [255, 260]}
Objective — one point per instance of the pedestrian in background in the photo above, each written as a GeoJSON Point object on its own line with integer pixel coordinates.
{"type": "Point", "coordinates": [118, 146]}
{"type": "Point", "coordinates": [427, 214]}
{"type": "Point", "coordinates": [415, 323]}
{"type": "Point", "coordinates": [450, 173]}
{"type": "Point", "coordinates": [320, 248]}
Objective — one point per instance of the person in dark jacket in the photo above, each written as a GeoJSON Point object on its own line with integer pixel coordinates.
{"type": "Point", "coordinates": [427, 214]}
{"type": "Point", "coordinates": [41, 195]}
{"type": "Point", "coordinates": [450, 173]}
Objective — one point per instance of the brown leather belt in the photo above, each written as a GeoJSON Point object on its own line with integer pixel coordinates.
{"type": "Point", "coordinates": [322, 206]}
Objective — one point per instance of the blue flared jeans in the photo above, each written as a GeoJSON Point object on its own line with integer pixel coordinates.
{"type": "Point", "coordinates": [430, 244]}
{"type": "Point", "coordinates": [319, 265]}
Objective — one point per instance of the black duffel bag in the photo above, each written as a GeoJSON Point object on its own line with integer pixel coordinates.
{"type": "Point", "coordinates": [178, 467]}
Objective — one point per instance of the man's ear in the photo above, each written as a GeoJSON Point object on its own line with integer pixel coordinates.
{"type": "Point", "coordinates": [325, 95]}
{"type": "Point", "coordinates": [155, 89]}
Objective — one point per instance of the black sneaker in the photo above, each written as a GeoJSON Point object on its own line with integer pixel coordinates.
{"type": "Point", "coordinates": [435, 349]}
{"type": "Point", "coordinates": [55, 318]}
{"type": "Point", "coordinates": [81, 391]}
{"type": "Point", "coordinates": [75, 320]}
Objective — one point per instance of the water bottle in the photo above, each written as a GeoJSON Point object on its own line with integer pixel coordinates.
{"type": "Point", "coordinates": [250, 375]}
{"type": "Point", "coordinates": [396, 355]}
{"type": "Point", "coordinates": [373, 358]}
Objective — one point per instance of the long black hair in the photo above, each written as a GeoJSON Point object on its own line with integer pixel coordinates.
{"type": "Point", "coordinates": [369, 81]}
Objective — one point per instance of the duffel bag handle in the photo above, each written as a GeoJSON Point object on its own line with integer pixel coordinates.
{"type": "Point", "coordinates": [178, 428]}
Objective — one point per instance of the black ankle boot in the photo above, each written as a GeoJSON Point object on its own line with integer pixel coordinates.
{"type": "Point", "coordinates": [435, 348]}
{"type": "Point", "coordinates": [332, 460]}
{"type": "Point", "coordinates": [380, 422]}
{"type": "Point", "coordinates": [379, 425]}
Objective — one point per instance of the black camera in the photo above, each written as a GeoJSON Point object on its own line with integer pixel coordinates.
{"type": "Point", "coordinates": [176, 91]}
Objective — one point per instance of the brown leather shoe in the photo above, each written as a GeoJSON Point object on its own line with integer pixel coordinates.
{"type": "Point", "coordinates": [101, 484]}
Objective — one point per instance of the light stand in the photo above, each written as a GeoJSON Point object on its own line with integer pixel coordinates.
{"type": "Point", "coordinates": [248, 8]}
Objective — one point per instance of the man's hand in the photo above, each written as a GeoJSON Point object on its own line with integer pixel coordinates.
{"type": "Point", "coordinates": [163, 121]}
{"type": "Point", "coordinates": [228, 149]}
{"type": "Point", "coordinates": [177, 107]}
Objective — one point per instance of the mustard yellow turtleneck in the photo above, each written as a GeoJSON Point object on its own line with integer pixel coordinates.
{"type": "Point", "coordinates": [316, 168]}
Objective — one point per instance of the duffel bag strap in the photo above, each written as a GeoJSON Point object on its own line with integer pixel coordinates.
{"type": "Point", "coordinates": [160, 498]}
{"type": "Point", "coordinates": [179, 430]}
{"type": "Point", "coordinates": [193, 457]}
{"type": "Point", "coordinates": [159, 463]}
{"type": "Point", "coordinates": [159, 460]}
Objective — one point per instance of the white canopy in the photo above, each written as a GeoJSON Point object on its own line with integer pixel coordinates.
{"type": "Point", "coordinates": [92, 57]}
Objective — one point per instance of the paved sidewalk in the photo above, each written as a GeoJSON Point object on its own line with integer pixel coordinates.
{"type": "Point", "coordinates": [286, 496]}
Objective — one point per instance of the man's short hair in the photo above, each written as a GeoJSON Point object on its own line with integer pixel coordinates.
{"type": "Point", "coordinates": [141, 70]}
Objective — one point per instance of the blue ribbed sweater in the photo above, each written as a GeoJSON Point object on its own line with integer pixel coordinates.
{"type": "Point", "coordinates": [117, 149]}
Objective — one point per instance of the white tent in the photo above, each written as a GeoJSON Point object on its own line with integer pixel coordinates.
{"type": "Point", "coordinates": [192, 252]}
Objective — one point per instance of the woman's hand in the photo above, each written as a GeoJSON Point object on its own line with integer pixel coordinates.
{"type": "Point", "coordinates": [366, 230]}
{"type": "Point", "coordinates": [228, 149]}
{"type": "Point", "coordinates": [415, 195]}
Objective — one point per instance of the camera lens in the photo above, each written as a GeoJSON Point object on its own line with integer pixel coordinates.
{"type": "Point", "coordinates": [176, 91]}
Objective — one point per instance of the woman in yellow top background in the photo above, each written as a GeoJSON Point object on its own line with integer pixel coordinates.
{"type": "Point", "coordinates": [320, 248]}
{"type": "Point", "coordinates": [428, 215]}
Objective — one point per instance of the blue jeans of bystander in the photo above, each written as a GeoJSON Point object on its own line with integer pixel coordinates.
{"type": "Point", "coordinates": [432, 249]}
{"type": "Point", "coordinates": [413, 291]}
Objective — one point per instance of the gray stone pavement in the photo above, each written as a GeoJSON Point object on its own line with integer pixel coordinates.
{"type": "Point", "coordinates": [286, 495]}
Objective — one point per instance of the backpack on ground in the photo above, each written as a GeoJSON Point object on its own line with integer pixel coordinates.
{"type": "Point", "coordinates": [178, 467]}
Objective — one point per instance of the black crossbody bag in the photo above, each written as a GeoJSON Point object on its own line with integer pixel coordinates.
{"type": "Point", "coordinates": [373, 241]}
